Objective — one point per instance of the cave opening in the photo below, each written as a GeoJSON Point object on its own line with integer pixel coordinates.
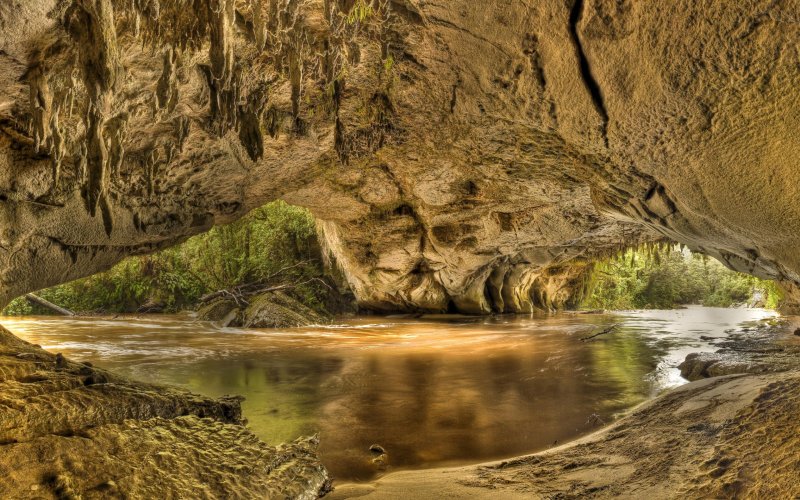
{"type": "Point", "coordinates": [456, 299]}
{"type": "Point", "coordinates": [667, 276]}
{"type": "Point", "coordinates": [261, 308]}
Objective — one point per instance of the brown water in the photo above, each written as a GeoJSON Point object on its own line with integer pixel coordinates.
{"type": "Point", "coordinates": [431, 391]}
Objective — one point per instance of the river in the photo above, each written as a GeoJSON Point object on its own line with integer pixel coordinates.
{"type": "Point", "coordinates": [431, 391]}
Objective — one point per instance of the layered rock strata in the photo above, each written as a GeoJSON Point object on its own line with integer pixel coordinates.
{"type": "Point", "coordinates": [69, 430]}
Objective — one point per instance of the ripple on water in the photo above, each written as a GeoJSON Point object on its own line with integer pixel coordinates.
{"type": "Point", "coordinates": [431, 391]}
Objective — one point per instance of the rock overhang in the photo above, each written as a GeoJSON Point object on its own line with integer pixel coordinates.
{"type": "Point", "coordinates": [458, 156]}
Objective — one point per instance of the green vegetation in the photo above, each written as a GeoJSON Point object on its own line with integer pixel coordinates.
{"type": "Point", "coordinates": [275, 242]}
{"type": "Point", "coordinates": [665, 277]}
{"type": "Point", "coordinates": [359, 13]}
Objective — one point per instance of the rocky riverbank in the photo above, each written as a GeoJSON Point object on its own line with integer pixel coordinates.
{"type": "Point", "coordinates": [729, 436]}
{"type": "Point", "coordinates": [69, 430]}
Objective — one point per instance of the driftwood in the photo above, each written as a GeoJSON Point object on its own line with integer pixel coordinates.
{"type": "Point", "coordinates": [241, 293]}
{"type": "Point", "coordinates": [35, 299]}
{"type": "Point", "coordinates": [603, 332]}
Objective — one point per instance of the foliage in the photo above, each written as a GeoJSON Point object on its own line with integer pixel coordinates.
{"type": "Point", "coordinates": [664, 277]}
{"type": "Point", "coordinates": [359, 13]}
{"type": "Point", "coordinates": [262, 244]}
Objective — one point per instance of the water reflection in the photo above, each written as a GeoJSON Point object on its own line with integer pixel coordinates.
{"type": "Point", "coordinates": [431, 391]}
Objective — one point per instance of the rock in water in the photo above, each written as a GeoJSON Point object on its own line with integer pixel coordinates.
{"type": "Point", "coordinates": [278, 310]}
{"type": "Point", "coordinates": [267, 310]}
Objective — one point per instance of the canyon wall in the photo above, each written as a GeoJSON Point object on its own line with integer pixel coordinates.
{"type": "Point", "coordinates": [460, 155]}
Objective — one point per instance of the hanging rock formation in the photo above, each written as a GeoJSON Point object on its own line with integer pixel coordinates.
{"type": "Point", "coordinates": [460, 155]}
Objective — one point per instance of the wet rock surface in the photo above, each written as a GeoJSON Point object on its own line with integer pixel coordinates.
{"type": "Point", "coordinates": [267, 310]}
{"type": "Point", "coordinates": [764, 349]}
{"type": "Point", "coordinates": [70, 430]}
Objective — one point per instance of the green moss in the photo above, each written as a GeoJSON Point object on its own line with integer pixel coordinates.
{"type": "Point", "coordinates": [360, 12]}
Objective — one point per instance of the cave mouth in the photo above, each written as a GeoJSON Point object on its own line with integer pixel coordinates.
{"type": "Point", "coordinates": [257, 309]}
{"type": "Point", "coordinates": [276, 255]}
{"type": "Point", "coordinates": [465, 157]}
{"type": "Point", "coordinates": [668, 275]}
{"type": "Point", "coordinates": [270, 256]}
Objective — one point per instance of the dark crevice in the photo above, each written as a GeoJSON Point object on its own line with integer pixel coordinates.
{"type": "Point", "coordinates": [586, 70]}
{"type": "Point", "coordinates": [453, 98]}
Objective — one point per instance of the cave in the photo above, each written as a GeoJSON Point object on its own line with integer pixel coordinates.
{"type": "Point", "coordinates": [461, 159]}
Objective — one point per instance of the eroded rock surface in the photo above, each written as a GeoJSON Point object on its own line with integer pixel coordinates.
{"type": "Point", "coordinates": [459, 154]}
{"type": "Point", "coordinates": [69, 430]}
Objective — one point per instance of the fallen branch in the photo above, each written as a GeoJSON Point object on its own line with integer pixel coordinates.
{"type": "Point", "coordinates": [603, 332]}
{"type": "Point", "coordinates": [240, 294]}
{"type": "Point", "coordinates": [35, 299]}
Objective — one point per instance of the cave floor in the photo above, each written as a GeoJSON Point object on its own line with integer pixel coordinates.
{"type": "Point", "coordinates": [70, 430]}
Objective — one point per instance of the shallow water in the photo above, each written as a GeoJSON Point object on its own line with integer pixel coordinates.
{"type": "Point", "coordinates": [431, 391]}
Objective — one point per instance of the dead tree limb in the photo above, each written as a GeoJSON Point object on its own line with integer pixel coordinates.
{"type": "Point", "coordinates": [35, 299]}
{"type": "Point", "coordinates": [603, 332]}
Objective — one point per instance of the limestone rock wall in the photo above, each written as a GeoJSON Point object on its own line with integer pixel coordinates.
{"type": "Point", "coordinates": [459, 155]}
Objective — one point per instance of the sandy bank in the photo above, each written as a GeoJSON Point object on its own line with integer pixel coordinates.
{"type": "Point", "coordinates": [728, 436]}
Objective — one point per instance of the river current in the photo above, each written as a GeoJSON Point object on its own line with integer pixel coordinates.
{"type": "Point", "coordinates": [430, 391]}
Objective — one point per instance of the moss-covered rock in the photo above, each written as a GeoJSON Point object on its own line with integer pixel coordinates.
{"type": "Point", "coordinates": [219, 310]}
{"type": "Point", "coordinates": [267, 310]}
{"type": "Point", "coordinates": [278, 310]}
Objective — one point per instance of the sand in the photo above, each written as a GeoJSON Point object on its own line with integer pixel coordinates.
{"type": "Point", "coordinates": [732, 436]}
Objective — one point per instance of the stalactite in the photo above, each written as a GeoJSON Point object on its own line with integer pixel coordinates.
{"type": "Point", "coordinates": [167, 88]}
{"type": "Point", "coordinates": [58, 147]}
{"type": "Point", "coordinates": [259, 24]}
{"type": "Point", "coordinates": [151, 170]}
{"type": "Point", "coordinates": [91, 25]}
{"type": "Point", "coordinates": [70, 96]}
{"type": "Point", "coordinates": [296, 80]}
{"type": "Point", "coordinates": [223, 85]}
{"type": "Point", "coordinates": [41, 102]}
{"type": "Point", "coordinates": [182, 127]}
{"type": "Point", "coordinates": [115, 132]}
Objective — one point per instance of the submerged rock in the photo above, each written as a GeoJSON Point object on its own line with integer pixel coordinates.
{"type": "Point", "coordinates": [69, 430]}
